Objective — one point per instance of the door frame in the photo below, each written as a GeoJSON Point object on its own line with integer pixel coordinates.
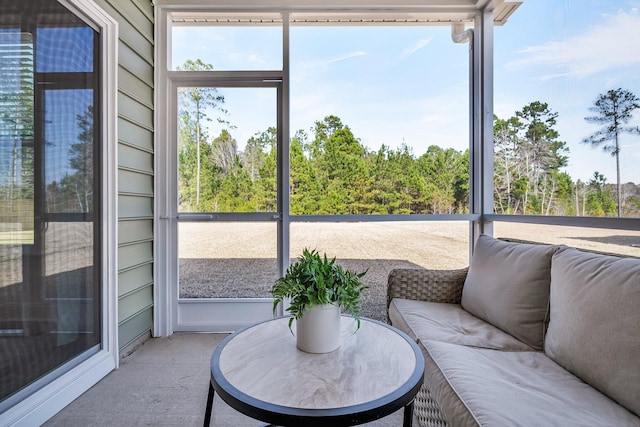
{"type": "Point", "coordinates": [212, 314]}
{"type": "Point", "coordinates": [165, 244]}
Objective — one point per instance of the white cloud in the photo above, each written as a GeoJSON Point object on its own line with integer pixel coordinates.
{"type": "Point", "coordinates": [416, 47]}
{"type": "Point", "coordinates": [612, 44]}
{"type": "Point", "coordinates": [244, 58]}
{"type": "Point", "coordinates": [345, 57]}
{"type": "Point", "coordinates": [333, 60]}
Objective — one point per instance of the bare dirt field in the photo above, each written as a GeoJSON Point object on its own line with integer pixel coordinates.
{"type": "Point", "coordinates": [239, 259]}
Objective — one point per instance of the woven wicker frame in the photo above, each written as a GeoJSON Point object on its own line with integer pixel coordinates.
{"type": "Point", "coordinates": [427, 409]}
{"type": "Point", "coordinates": [426, 285]}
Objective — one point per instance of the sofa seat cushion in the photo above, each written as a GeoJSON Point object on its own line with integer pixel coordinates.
{"type": "Point", "coordinates": [594, 331]}
{"type": "Point", "coordinates": [450, 323]}
{"type": "Point", "coordinates": [485, 387]}
{"type": "Point", "coordinates": [508, 286]}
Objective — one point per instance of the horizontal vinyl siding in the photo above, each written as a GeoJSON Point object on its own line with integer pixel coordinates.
{"type": "Point", "coordinates": [134, 111]}
{"type": "Point", "coordinates": [135, 182]}
{"type": "Point", "coordinates": [135, 230]}
{"type": "Point", "coordinates": [137, 16]}
{"type": "Point", "coordinates": [135, 327]}
{"type": "Point", "coordinates": [132, 133]}
{"type": "Point", "coordinates": [134, 63]}
{"type": "Point", "coordinates": [135, 206]}
{"type": "Point", "coordinates": [135, 158]}
{"type": "Point", "coordinates": [137, 301]}
{"type": "Point", "coordinates": [135, 254]}
{"type": "Point", "coordinates": [135, 166]}
{"type": "Point", "coordinates": [135, 88]}
{"type": "Point", "coordinates": [130, 279]}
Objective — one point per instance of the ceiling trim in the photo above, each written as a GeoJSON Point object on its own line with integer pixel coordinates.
{"type": "Point", "coordinates": [240, 13]}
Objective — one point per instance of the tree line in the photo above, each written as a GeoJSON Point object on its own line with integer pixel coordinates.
{"type": "Point", "coordinates": [332, 172]}
{"type": "Point", "coordinates": [529, 157]}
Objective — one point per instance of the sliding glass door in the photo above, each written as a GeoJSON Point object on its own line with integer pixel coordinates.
{"type": "Point", "coordinates": [50, 192]}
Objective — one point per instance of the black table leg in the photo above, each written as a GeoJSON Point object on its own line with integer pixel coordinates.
{"type": "Point", "coordinates": [207, 413]}
{"type": "Point", "coordinates": [408, 415]}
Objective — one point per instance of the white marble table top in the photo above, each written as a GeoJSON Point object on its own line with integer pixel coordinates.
{"type": "Point", "coordinates": [264, 363]}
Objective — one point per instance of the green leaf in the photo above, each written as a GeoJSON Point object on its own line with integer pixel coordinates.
{"type": "Point", "coordinates": [316, 280]}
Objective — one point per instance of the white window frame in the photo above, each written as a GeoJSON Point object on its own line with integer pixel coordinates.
{"type": "Point", "coordinates": [42, 404]}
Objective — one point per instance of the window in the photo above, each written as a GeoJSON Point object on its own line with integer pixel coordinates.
{"type": "Point", "coordinates": [237, 42]}
{"type": "Point", "coordinates": [379, 120]}
{"type": "Point", "coordinates": [227, 149]}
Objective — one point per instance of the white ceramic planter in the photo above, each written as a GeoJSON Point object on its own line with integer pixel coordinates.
{"type": "Point", "coordinates": [318, 330]}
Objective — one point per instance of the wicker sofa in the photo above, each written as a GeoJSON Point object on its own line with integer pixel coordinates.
{"type": "Point", "coordinates": [529, 334]}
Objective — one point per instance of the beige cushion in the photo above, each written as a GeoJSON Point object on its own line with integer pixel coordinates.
{"type": "Point", "coordinates": [594, 330]}
{"type": "Point", "coordinates": [450, 323]}
{"type": "Point", "coordinates": [508, 286]}
{"type": "Point", "coordinates": [475, 386]}
{"type": "Point", "coordinates": [452, 408]}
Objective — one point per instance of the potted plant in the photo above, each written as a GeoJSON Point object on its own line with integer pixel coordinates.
{"type": "Point", "coordinates": [318, 288]}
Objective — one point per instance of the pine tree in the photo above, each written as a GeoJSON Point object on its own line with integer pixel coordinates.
{"type": "Point", "coordinates": [613, 111]}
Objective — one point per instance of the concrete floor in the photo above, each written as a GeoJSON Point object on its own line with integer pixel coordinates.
{"type": "Point", "coordinates": [163, 383]}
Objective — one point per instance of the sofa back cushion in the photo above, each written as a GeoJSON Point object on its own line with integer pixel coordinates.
{"type": "Point", "coordinates": [594, 327]}
{"type": "Point", "coordinates": [508, 286]}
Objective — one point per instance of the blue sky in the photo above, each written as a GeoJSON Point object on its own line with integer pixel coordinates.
{"type": "Point", "coordinates": [566, 58]}
{"type": "Point", "coordinates": [394, 85]}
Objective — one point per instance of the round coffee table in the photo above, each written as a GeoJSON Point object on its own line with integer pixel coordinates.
{"type": "Point", "coordinates": [260, 372]}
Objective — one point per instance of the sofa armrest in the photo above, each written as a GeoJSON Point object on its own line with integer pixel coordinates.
{"type": "Point", "coordinates": [426, 285]}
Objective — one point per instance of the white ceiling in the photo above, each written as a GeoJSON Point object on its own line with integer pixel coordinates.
{"type": "Point", "coordinates": [328, 12]}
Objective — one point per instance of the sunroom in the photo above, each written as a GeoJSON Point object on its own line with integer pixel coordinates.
{"type": "Point", "coordinates": [164, 161]}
